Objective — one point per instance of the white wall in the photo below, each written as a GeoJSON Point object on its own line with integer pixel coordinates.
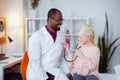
{"type": "Point", "coordinates": [14, 10]}
{"type": "Point", "coordinates": [94, 9]}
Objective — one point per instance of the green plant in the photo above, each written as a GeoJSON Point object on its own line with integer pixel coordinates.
{"type": "Point", "coordinates": [34, 3]}
{"type": "Point", "coordinates": [107, 48]}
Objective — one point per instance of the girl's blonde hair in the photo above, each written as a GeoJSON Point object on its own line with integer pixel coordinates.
{"type": "Point", "coordinates": [87, 30]}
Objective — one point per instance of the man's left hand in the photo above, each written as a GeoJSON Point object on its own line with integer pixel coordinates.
{"type": "Point", "coordinates": [69, 76]}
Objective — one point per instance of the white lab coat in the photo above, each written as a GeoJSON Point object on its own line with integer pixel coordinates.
{"type": "Point", "coordinates": [45, 55]}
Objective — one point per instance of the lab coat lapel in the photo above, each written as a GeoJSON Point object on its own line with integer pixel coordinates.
{"type": "Point", "coordinates": [47, 34]}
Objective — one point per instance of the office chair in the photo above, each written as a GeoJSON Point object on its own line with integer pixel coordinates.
{"type": "Point", "coordinates": [24, 65]}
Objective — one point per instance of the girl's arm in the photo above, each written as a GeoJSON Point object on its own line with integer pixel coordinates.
{"type": "Point", "coordinates": [70, 53]}
{"type": "Point", "coordinates": [92, 62]}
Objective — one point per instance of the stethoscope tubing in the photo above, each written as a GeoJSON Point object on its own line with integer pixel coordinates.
{"type": "Point", "coordinates": [73, 59]}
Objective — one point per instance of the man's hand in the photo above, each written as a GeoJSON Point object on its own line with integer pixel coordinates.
{"type": "Point", "coordinates": [69, 76]}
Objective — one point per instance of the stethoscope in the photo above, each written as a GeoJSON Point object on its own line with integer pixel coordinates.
{"type": "Point", "coordinates": [74, 58]}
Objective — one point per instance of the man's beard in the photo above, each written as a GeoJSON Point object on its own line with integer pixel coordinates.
{"type": "Point", "coordinates": [56, 28]}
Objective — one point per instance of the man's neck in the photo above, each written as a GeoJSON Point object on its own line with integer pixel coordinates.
{"type": "Point", "coordinates": [52, 33]}
{"type": "Point", "coordinates": [51, 29]}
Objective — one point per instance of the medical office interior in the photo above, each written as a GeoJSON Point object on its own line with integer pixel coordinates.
{"type": "Point", "coordinates": [21, 20]}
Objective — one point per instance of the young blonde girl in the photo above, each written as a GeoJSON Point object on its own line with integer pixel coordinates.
{"type": "Point", "coordinates": [85, 67]}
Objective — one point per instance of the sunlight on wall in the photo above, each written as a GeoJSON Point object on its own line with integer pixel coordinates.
{"type": "Point", "coordinates": [15, 30]}
{"type": "Point", "coordinates": [14, 20]}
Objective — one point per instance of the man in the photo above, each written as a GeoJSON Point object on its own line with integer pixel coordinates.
{"type": "Point", "coordinates": [46, 51]}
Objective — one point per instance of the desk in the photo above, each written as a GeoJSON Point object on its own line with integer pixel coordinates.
{"type": "Point", "coordinates": [11, 61]}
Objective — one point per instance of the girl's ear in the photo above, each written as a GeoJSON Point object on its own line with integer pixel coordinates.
{"type": "Point", "coordinates": [90, 37]}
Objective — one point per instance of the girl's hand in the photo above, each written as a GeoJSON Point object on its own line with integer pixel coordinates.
{"type": "Point", "coordinates": [65, 45]}
{"type": "Point", "coordinates": [78, 52]}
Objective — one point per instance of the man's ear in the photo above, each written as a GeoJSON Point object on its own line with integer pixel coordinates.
{"type": "Point", "coordinates": [49, 19]}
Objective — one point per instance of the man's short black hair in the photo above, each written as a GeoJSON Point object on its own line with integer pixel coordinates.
{"type": "Point", "coordinates": [52, 12]}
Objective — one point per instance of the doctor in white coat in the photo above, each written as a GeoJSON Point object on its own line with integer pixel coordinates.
{"type": "Point", "coordinates": [46, 51]}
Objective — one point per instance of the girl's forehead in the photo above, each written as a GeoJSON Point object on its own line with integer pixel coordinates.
{"type": "Point", "coordinates": [82, 36]}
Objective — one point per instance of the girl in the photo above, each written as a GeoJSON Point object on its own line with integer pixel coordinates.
{"type": "Point", "coordinates": [87, 55]}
